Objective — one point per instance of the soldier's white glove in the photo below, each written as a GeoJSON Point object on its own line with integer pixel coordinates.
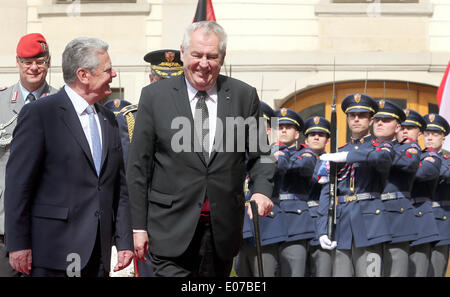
{"type": "Point", "coordinates": [326, 243]}
{"type": "Point", "coordinates": [340, 157]}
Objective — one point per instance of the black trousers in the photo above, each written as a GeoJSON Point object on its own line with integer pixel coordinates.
{"type": "Point", "coordinates": [199, 260]}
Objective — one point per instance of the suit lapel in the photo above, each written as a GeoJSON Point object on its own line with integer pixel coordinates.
{"type": "Point", "coordinates": [70, 118]}
{"type": "Point", "coordinates": [223, 111]}
{"type": "Point", "coordinates": [183, 107]}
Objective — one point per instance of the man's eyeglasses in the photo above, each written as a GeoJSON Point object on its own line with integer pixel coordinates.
{"type": "Point", "coordinates": [28, 63]}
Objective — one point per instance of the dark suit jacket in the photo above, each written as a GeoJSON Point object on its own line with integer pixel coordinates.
{"type": "Point", "coordinates": [167, 188]}
{"type": "Point", "coordinates": [54, 200]}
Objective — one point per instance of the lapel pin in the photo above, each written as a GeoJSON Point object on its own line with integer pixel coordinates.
{"type": "Point", "coordinates": [228, 97]}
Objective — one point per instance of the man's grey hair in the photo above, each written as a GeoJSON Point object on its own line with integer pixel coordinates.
{"type": "Point", "coordinates": [81, 53]}
{"type": "Point", "coordinates": [207, 27]}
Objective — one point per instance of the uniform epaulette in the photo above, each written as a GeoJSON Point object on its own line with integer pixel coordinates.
{"type": "Point", "coordinates": [342, 146]}
{"type": "Point", "coordinates": [129, 108]}
{"type": "Point", "coordinates": [415, 145]}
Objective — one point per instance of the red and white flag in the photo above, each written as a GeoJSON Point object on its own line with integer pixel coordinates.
{"type": "Point", "coordinates": [443, 100]}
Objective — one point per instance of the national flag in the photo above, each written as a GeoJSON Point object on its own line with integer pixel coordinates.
{"type": "Point", "coordinates": [204, 12]}
{"type": "Point", "coordinates": [443, 100]}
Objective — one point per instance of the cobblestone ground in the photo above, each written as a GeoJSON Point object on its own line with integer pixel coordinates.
{"type": "Point", "coordinates": [126, 272]}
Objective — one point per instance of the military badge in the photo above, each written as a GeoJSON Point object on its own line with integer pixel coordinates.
{"type": "Point", "coordinates": [116, 103]}
{"type": "Point", "coordinates": [44, 46]}
{"type": "Point", "coordinates": [431, 117]}
{"type": "Point", "coordinates": [283, 111]}
{"type": "Point", "coordinates": [381, 103]}
{"type": "Point", "coordinates": [14, 97]}
{"type": "Point", "coordinates": [170, 56]}
{"type": "Point", "coordinates": [406, 112]}
{"type": "Point", "coordinates": [357, 97]}
{"type": "Point", "coordinates": [316, 120]}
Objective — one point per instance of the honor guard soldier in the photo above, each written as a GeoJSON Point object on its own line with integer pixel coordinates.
{"type": "Point", "coordinates": [272, 227]}
{"type": "Point", "coordinates": [361, 222]}
{"type": "Point", "coordinates": [317, 132]}
{"type": "Point", "coordinates": [436, 130]}
{"type": "Point", "coordinates": [293, 177]}
{"type": "Point", "coordinates": [163, 64]}
{"type": "Point", "coordinates": [116, 105]}
{"type": "Point", "coordinates": [396, 193]}
{"type": "Point", "coordinates": [424, 187]}
{"type": "Point", "coordinates": [33, 61]}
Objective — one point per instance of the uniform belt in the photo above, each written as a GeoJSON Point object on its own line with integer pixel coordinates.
{"type": "Point", "coordinates": [440, 203]}
{"type": "Point", "coordinates": [313, 203]}
{"type": "Point", "coordinates": [358, 197]}
{"type": "Point", "coordinates": [293, 197]}
{"type": "Point", "coordinates": [395, 195]}
{"type": "Point", "coordinates": [419, 200]}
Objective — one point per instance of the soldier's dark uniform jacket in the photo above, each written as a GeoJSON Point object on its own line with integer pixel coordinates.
{"type": "Point", "coordinates": [295, 170]}
{"type": "Point", "coordinates": [360, 213]}
{"type": "Point", "coordinates": [315, 124]}
{"type": "Point", "coordinates": [397, 192]}
{"type": "Point", "coordinates": [441, 198]}
{"type": "Point", "coordinates": [441, 201]}
{"type": "Point", "coordinates": [272, 227]}
{"type": "Point", "coordinates": [424, 186]}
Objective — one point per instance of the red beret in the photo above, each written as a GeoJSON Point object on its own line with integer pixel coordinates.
{"type": "Point", "coordinates": [31, 45]}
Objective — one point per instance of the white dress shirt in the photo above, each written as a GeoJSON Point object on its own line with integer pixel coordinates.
{"type": "Point", "coordinates": [80, 106]}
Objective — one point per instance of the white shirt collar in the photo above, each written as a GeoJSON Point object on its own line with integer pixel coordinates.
{"type": "Point", "coordinates": [192, 92]}
{"type": "Point", "coordinates": [78, 102]}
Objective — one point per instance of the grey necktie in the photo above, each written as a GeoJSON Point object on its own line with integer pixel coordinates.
{"type": "Point", "coordinates": [201, 122]}
{"type": "Point", "coordinates": [30, 97]}
{"type": "Point", "coordinates": [95, 138]}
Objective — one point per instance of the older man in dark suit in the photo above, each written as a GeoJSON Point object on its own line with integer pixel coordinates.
{"type": "Point", "coordinates": [66, 194]}
{"type": "Point", "coordinates": [186, 189]}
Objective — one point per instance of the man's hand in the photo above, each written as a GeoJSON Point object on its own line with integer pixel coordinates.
{"type": "Point", "coordinates": [21, 260]}
{"type": "Point", "coordinates": [123, 259]}
{"type": "Point", "coordinates": [140, 245]}
{"type": "Point", "coordinates": [264, 203]}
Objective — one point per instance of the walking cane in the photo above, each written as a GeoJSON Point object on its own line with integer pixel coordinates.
{"type": "Point", "coordinates": [254, 207]}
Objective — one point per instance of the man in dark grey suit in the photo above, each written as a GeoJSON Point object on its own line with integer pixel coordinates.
{"type": "Point", "coordinates": [186, 168]}
{"type": "Point", "coordinates": [66, 195]}
{"type": "Point", "coordinates": [33, 61]}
